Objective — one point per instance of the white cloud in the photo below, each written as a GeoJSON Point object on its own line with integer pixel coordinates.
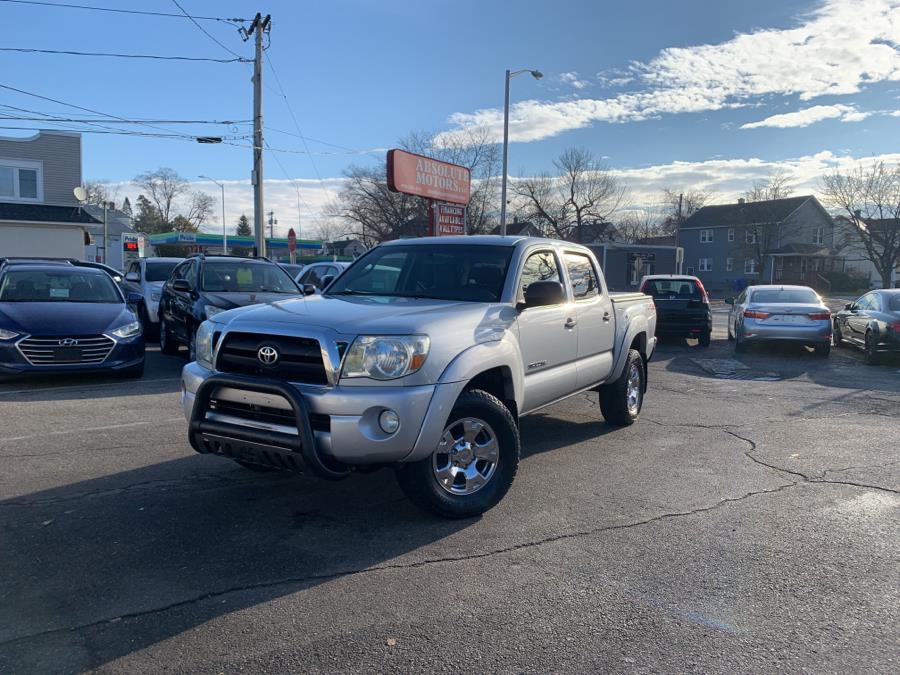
{"type": "Point", "coordinates": [836, 50]}
{"type": "Point", "coordinates": [573, 79]}
{"type": "Point", "coordinates": [807, 116]}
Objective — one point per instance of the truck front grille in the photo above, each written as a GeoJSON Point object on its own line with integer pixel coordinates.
{"type": "Point", "coordinates": [62, 350]}
{"type": "Point", "coordinates": [298, 359]}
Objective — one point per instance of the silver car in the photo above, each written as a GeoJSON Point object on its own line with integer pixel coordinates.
{"type": "Point", "coordinates": [779, 314]}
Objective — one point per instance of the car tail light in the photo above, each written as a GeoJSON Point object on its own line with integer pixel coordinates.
{"type": "Point", "coordinates": [820, 316]}
{"type": "Point", "coordinates": [704, 295]}
{"type": "Point", "coordinates": [754, 314]}
{"type": "Point", "coordinates": [644, 287]}
{"type": "Point", "coordinates": [895, 326]}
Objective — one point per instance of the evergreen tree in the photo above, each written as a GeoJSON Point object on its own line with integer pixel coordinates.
{"type": "Point", "coordinates": [126, 209]}
{"type": "Point", "coordinates": [243, 227]}
{"type": "Point", "coordinates": [148, 219]}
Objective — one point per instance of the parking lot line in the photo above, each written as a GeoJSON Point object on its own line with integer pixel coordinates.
{"type": "Point", "coordinates": [103, 428]}
{"type": "Point", "coordinates": [85, 387]}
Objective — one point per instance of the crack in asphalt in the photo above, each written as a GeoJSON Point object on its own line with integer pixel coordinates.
{"type": "Point", "coordinates": [339, 574]}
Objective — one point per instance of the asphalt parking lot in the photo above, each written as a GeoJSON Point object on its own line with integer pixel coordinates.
{"type": "Point", "coordinates": [747, 523]}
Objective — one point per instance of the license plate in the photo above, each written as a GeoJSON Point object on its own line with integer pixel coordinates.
{"type": "Point", "coordinates": [787, 318]}
{"type": "Point", "coordinates": [67, 354]}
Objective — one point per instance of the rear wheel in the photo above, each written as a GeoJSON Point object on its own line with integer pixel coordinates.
{"type": "Point", "coordinates": [474, 464]}
{"type": "Point", "coordinates": [167, 342]}
{"type": "Point", "coordinates": [705, 338]}
{"type": "Point", "coordinates": [621, 401]}
{"type": "Point", "coordinates": [730, 334]}
{"type": "Point", "coordinates": [823, 350]}
{"type": "Point", "coordinates": [740, 347]}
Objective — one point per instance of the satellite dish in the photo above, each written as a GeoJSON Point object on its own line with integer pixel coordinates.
{"type": "Point", "coordinates": [80, 193]}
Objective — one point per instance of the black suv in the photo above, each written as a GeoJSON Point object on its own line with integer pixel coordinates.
{"type": "Point", "coordinates": [682, 306]}
{"type": "Point", "coordinates": [205, 285]}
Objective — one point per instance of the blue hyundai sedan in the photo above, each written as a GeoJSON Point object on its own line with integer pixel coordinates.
{"type": "Point", "coordinates": [65, 319]}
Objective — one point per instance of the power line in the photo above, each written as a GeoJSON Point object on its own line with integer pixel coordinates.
{"type": "Point", "coordinates": [123, 132]}
{"type": "Point", "coordinates": [206, 32]}
{"type": "Point", "coordinates": [122, 11]}
{"type": "Point", "coordinates": [50, 118]}
{"type": "Point", "coordinates": [122, 56]}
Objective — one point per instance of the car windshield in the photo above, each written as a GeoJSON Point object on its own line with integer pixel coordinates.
{"type": "Point", "coordinates": [782, 296]}
{"type": "Point", "coordinates": [293, 270]}
{"type": "Point", "coordinates": [159, 271]}
{"type": "Point", "coordinates": [893, 302]}
{"type": "Point", "coordinates": [468, 273]}
{"type": "Point", "coordinates": [59, 285]}
{"type": "Point", "coordinates": [246, 277]}
{"type": "Point", "coordinates": [672, 289]}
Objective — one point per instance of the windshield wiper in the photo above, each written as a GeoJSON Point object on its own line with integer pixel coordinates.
{"type": "Point", "coordinates": [353, 291]}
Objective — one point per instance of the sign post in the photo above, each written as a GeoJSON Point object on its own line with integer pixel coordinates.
{"type": "Point", "coordinates": [292, 245]}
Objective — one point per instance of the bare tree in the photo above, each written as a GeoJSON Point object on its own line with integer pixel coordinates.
{"type": "Point", "coordinates": [163, 188]}
{"type": "Point", "coordinates": [638, 223]}
{"type": "Point", "coordinates": [776, 186]}
{"type": "Point", "coordinates": [200, 208]}
{"type": "Point", "coordinates": [330, 229]}
{"type": "Point", "coordinates": [582, 191]}
{"type": "Point", "coordinates": [869, 196]}
{"type": "Point", "coordinates": [678, 206]}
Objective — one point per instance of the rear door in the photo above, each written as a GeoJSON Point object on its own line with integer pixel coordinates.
{"type": "Point", "coordinates": [596, 321]}
{"type": "Point", "coordinates": [547, 336]}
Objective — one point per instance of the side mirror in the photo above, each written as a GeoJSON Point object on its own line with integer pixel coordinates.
{"type": "Point", "coordinates": [326, 281]}
{"type": "Point", "coordinates": [134, 298]}
{"type": "Point", "coordinates": [729, 301]}
{"type": "Point", "coordinates": [308, 289]}
{"type": "Point", "coordinates": [849, 305]}
{"type": "Point", "coordinates": [132, 276]}
{"type": "Point", "coordinates": [182, 285]}
{"type": "Point", "coordinates": [543, 293]}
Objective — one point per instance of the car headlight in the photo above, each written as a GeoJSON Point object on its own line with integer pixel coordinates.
{"type": "Point", "coordinates": [386, 357]}
{"type": "Point", "coordinates": [128, 330]}
{"type": "Point", "coordinates": [203, 344]}
{"type": "Point", "coordinates": [155, 296]}
{"type": "Point", "coordinates": [211, 311]}
{"type": "Point", "coordinates": [7, 334]}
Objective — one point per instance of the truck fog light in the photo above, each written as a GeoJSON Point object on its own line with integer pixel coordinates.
{"type": "Point", "coordinates": [389, 421]}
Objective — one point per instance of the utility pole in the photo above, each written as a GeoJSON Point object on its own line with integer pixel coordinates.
{"type": "Point", "coordinates": [257, 29]}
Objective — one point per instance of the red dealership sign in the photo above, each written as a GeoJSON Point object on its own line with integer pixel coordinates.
{"type": "Point", "coordinates": [448, 220]}
{"type": "Point", "coordinates": [429, 178]}
{"type": "Point", "coordinates": [292, 240]}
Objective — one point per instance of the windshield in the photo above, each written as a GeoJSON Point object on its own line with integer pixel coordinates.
{"type": "Point", "coordinates": [60, 285]}
{"type": "Point", "coordinates": [159, 271]}
{"type": "Point", "coordinates": [246, 277]}
{"type": "Point", "coordinates": [469, 273]}
{"type": "Point", "coordinates": [293, 270]}
{"type": "Point", "coordinates": [800, 296]}
{"type": "Point", "coordinates": [672, 289]}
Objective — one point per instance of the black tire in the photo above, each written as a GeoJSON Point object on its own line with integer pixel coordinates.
{"type": "Point", "coordinates": [740, 347]}
{"type": "Point", "coordinates": [836, 335]}
{"type": "Point", "coordinates": [730, 334]}
{"type": "Point", "coordinates": [823, 350]}
{"type": "Point", "coordinates": [257, 468]}
{"type": "Point", "coordinates": [133, 373]}
{"type": "Point", "coordinates": [419, 481]}
{"type": "Point", "coordinates": [615, 405]}
{"type": "Point", "coordinates": [871, 356]}
{"type": "Point", "coordinates": [705, 339]}
{"type": "Point", "coordinates": [167, 343]}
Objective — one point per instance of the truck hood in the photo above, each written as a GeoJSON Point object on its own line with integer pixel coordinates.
{"type": "Point", "coordinates": [374, 315]}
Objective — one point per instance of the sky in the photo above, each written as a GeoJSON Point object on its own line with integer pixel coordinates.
{"type": "Point", "coordinates": [681, 95]}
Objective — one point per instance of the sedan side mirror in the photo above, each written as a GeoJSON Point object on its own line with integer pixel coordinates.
{"type": "Point", "coordinates": [132, 276]}
{"type": "Point", "coordinates": [309, 289]}
{"type": "Point", "coordinates": [729, 301]}
{"type": "Point", "coordinates": [182, 285]}
{"type": "Point", "coordinates": [544, 293]}
{"type": "Point", "coordinates": [326, 281]}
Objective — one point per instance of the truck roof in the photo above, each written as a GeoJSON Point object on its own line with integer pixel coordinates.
{"type": "Point", "coordinates": [482, 240]}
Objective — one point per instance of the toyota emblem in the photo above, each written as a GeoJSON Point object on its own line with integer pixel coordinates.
{"type": "Point", "coordinates": [267, 355]}
{"type": "Point", "coordinates": [68, 342]}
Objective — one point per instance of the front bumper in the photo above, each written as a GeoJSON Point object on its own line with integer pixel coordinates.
{"type": "Point", "coordinates": [124, 354]}
{"type": "Point", "coordinates": [339, 423]}
{"type": "Point", "coordinates": [758, 331]}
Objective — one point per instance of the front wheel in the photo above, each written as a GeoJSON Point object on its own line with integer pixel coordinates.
{"type": "Point", "coordinates": [836, 335]}
{"type": "Point", "coordinates": [167, 343]}
{"type": "Point", "coordinates": [474, 464]}
{"type": "Point", "coordinates": [871, 355]}
{"type": "Point", "coordinates": [740, 346]}
{"type": "Point", "coordinates": [621, 401]}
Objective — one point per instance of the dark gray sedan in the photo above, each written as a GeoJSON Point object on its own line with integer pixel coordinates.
{"type": "Point", "coordinates": [871, 322]}
{"type": "Point", "coordinates": [779, 314]}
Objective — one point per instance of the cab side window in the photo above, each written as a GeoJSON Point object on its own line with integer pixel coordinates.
{"type": "Point", "coordinates": [583, 276]}
{"type": "Point", "coordinates": [540, 266]}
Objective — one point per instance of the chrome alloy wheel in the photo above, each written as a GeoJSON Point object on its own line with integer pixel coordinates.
{"type": "Point", "coordinates": [633, 391]}
{"type": "Point", "coordinates": [467, 456]}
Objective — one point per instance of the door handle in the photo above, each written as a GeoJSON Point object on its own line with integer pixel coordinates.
{"type": "Point", "coordinates": [606, 316]}
{"type": "Point", "coordinates": [571, 323]}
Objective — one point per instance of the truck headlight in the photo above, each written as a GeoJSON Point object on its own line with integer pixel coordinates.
{"type": "Point", "coordinates": [211, 311]}
{"type": "Point", "coordinates": [386, 357]}
{"type": "Point", "coordinates": [129, 330]}
{"type": "Point", "coordinates": [203, 344]}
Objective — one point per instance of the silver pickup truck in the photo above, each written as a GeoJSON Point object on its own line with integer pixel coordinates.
{"type": "Point", "coordinates": [424, 354]}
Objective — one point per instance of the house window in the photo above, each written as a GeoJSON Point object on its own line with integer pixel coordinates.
{"type": "Point", "coordinates": [706, 236]}
{"type": "Point", "coordinates": [750, 237]}
{"type": "Point", "coordinates": [730, 234]}
{"type": "Point", "coordinates": [21, 181]}
{"type": "Point", "coordinates": [779, 268]}
{"type": "Point", "coordinates": [705, 265]}
{"type": "Point", "coordinates": [729, 264]}
{"type": "Point", "coordinates": [817, 237]}
{"type": "Point", "coordinates": [750, 266]}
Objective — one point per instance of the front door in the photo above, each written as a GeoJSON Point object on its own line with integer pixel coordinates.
{"type": "Point", "coordinates": [548, 337]}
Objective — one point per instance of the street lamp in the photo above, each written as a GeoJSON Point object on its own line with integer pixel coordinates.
{"type": "Point", "coordinates": [536, 74]}
{"type": "Point", "coordinates": [224, 233]}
